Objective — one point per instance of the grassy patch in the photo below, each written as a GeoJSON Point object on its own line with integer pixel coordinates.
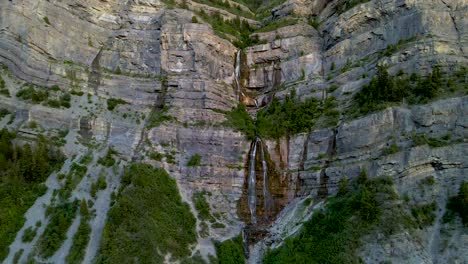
{"type": "Point", "coordinates": [148, 220]}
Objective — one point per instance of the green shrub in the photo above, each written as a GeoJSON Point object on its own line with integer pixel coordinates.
{"type": "Point", "coordinates": [108, 160]}
{"type": "Point", "coordinates": [392, 149]}
{"type": "Point", "coordinates": [424, 214]}
{"type": "Point", "coordinates": [17, 256]}
{"type": "Point", "coordinates": [112, 103]}
{"type": "Point", "coordinates": [230, 251]}
{"type": "Point", "coordinates": [218, 225]}
{"type": "Point", "coordinates": [3, 112]}
{"type": "Point", "coordinates": [459, 204]}
{"type": "Point", "coordinates": [238, 28]}
{"type": "Point", "coordinates": [148, 220]}
{"type": "Point", "coordinates": [29, 234]}
{"type": "Point", "coordinates": [195, 160]}
{"type": "Point", "coordinates": [194, 19]}
{"type": "Point", "coordinates": [80, 239]}
{"type": "Point", "coordinates": [60, 219]}
{"type": "Point", "coordinates": [158, 117]}
{"type": "Point", "coordinates": [2, 83]}
{"type": "Point", "coordinates": [343, 187]}
{"type": "Point", "coordinates": [101, 183]}
{"type": "Point", "coordinates": [77, 93]}
{"type": "Point", "coordinates": [46, 20]}
{"type": "Point", "coordinates": [202, 206]}
{"type": "Point", "coordinates": [314, 23]}
{"type": "Point", "coordinates": [156, 156]}
{"type": "Point", "coordinates": [53, 103]}
{"type": "Point", "coordinates": [240, 119]}
{"type": "Point", "coordinates": [389, 89]}
{"type": "Point", "coordinates": [55, 88]}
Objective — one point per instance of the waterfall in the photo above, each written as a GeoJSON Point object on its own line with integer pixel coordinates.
{"type": "Point", "coordinates": [237, 73]}
{"type": "Point", "coordinates": [251, 191]}
{"type": "Point", "coordinates": [266, 193]}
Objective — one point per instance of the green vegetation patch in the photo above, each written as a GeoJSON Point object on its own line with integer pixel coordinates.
{"type": "Point", "coordinates": [3, 89]}
{"type": "Point", "coordinates": [281, 118]}
{"type": "Point", "coordinates": [22, 171]}
{"type": "Point", "coordinates": [81, 237]}
{"type": "Point", "coordinates": [158, 117]}
{"type": "Point", "coordinates": [55, 233]}
{"type": "Point", "coordinates": [3, 112]}
{"type": "Point", "coordinates": [384, 90]}
{"type": "Point", "coordinates": [458, 205]}
{"type": "Point", "coordinates": [195, 160]}
{"type": "Point", "coordinates": [108, 160]}
{"type": "Point", "coordinates": [346, 5]}
{"type": "Point", "coordinates": [230, 251]}
{"type": "Point", "coordinates": [112, 103]}
{"type": "Point", "coordinates": [148, 220]}
{"type": "Point", "coordinates": [236, 28]}
{"type": "Point", "coordinates": [275, 24]}
{"type": "Point", "coordinates": [37, 95]}
{"type": "Point", "coordinates": [334, 233]}
{"type": "Point", "coordinates": [202, 206]}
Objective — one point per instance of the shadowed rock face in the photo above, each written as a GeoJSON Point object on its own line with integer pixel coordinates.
{"type": "Point", "coordinates": [154, 58]}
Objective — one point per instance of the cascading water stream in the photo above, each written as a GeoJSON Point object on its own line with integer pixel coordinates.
{"type": "Point", "coordinates": [251, 190]}
{"type": "Point", "coordinates": [266, 193]}
{"type": "Point", "coordinates": [237, 72]}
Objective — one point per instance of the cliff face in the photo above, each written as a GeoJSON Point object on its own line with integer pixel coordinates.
{"type": "Point", "coordinates": [175, 79]}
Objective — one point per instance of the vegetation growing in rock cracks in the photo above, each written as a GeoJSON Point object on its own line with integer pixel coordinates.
{"type": "Point", "coordinates": [280, 118]}
{"type": "Point", "coordinates": [195, 160]}
{"type": "Point", "coordinates": [458, 205]}
{"type": "Point", "coordinates": [112, 103]}
{"type": "Point", "coordinates": [22, 171]}
{"type": "Point", "coordinates": [334, 233]}
{"type": "Point", "coordinates": [384, 89]}
{"type": "Point", "coordinates": [148, 220]}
